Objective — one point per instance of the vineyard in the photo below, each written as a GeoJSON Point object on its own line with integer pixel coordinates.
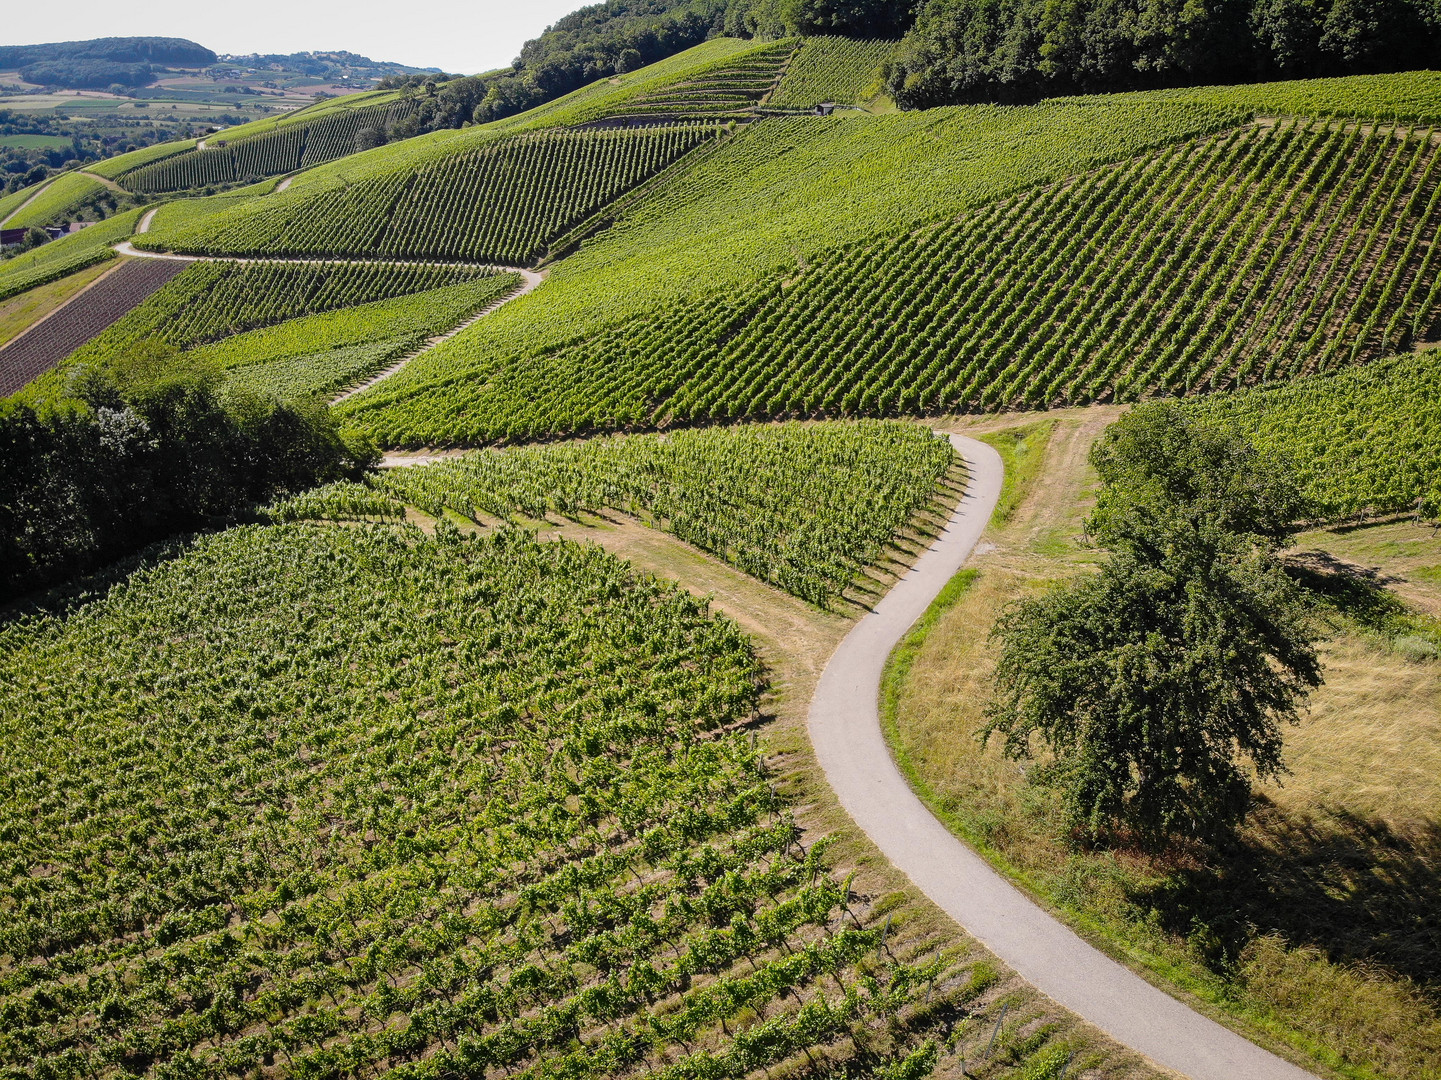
{"type": "Point", "coordinates": [321, 354]}
{"type": "Point", "coordinates": [726, 88]}
{"type": "Point", "coordinates": [831, 69]}
{"type": "Point", "coordinates": [213, 300]}
{"type": "Point", "coordinates": [114, 168]}
{"type": "Point", "coordinates": [1266, 252]}
{"type": "Point", "coordinates": [804, 507]}
{"type": "Point", "coordinates": [1364, 441]}
{"type": "Point", "coordinates": [283, 150]}
{"type": "Point", "coordinates": [500, 202]}
{"type": "Point", "coordinates": [61, 197]}
{"type": "Point", "coordinates": [63, 257]}
{"type": "Point", "coordinates": [32, 354]}
{"type": "Point", "coordinates": [484, 810]}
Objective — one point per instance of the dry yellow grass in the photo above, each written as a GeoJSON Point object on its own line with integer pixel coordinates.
{"type": "Point", "coordinates": [1321, 927]}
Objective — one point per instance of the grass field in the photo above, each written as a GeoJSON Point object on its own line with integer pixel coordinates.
{"type": "Point", "coordinates": [34, 142]}
{"type": "Point", "coordinates": [1316, 928]}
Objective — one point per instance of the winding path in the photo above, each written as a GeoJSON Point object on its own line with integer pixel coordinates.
{"type": "Point", "coordinates": [845, 729]}
{"type": "Point", "coordinates": [530, 281]}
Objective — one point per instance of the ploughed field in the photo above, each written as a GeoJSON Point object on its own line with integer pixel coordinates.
{"type": "Point", "coordinates": [36, 352]}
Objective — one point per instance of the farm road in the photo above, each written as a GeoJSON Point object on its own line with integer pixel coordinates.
{"type": "Point", "coordinates": [530, 281]}
{"type": "Point", "coordinates": [845, 729]}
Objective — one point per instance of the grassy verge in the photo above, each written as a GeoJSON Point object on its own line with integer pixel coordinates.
{"type": "Point", "coordinates": [1314, 933]}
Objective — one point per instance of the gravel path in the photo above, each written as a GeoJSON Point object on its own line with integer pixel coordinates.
{"type": "Point", "coordinates": [846, 732]}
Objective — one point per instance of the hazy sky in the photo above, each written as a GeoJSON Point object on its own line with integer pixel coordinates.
{"type": "Point", "coordinates": [465, 37]}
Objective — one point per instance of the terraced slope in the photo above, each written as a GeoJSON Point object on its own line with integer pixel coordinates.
{"type": "Point", "coordinates": [830, 69]}
{"type": "Point", "coordinates": [274, 153]}
{"type": "Point", "coordinates": [502, 201]}
{"type": "Point", "coordinates": [1270, 251]}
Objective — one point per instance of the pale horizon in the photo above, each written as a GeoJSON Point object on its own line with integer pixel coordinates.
{"type": "Point", "coordinates": [475, 37]}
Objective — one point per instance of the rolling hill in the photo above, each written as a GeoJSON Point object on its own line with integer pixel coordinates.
{"type": "Point", "coordinates": [437, 771]}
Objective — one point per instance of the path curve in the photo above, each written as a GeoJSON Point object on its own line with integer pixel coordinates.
{"type": "Point", "coordinates": [530, 281]}
{"type": "Point", "coordinates": [38, 192]}
{"type": "Point", "coordinates": [845, 730]}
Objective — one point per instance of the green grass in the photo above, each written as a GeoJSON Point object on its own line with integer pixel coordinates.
{"type": "Point", "coordinates": [16, 199]}
{"type": "Point", "coordinates": [34, 142]}
{"type": "Point", "coordinates": [831, 69]}
{"type": "Point", "coordinates": [25, 309]}
{"type": "Point", "coordinates": [60, 199]}
{"type": "Point", "coordinates": [1023, 452]}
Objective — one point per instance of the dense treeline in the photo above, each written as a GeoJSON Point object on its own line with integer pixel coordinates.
{"type": "Point", "coordinates": [1022, 50]}
{"type": "Point", "coordinates": [102, 62]}
{"type": "Point", "coordinates": [138, 457]}
{"type": "Point", "coordinates": [622, 35]}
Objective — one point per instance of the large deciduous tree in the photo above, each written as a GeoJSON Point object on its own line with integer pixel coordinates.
{"type": "Point", "coordinates": [1158, 687]}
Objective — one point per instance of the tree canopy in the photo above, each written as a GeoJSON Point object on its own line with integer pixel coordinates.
{"type": "Point", "coordinates": [1022, 50]}
{"type": "Point", "coordinates": [1159, 686]}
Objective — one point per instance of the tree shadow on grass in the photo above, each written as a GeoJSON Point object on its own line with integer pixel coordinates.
{"type": "Point", "coordinates": [1359, 889]}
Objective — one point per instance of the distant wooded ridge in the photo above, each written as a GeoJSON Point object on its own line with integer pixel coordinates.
{"type": "Point", "coordinates": [103, 62]}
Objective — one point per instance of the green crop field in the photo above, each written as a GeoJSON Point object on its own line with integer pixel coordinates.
{"type": "Point", "coordinates": [1364, 441]}
{"type": "Point", "coordinates": [831, 69]}
{"type": "Point", "coordinates": [426, 851]}
{"type": "Point", "coordinates": [211, 301]}
{"type": "Point", "coordinates": [325, 353]}
{"type": "Point", "coordinates": [804, 507]}
{"type": "Point", "coordinates": [1160, 275]}
{"type": "Point", "coordinates": [288, 148]}
{"type": "Point", "coordinates": [501, 202]}
{"type": "Point", "coordinates": [113, 168]}
{"type": "Point", "coordinates": [60, 198]}
{"type": "Point", "coordinates": [389, 776]}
